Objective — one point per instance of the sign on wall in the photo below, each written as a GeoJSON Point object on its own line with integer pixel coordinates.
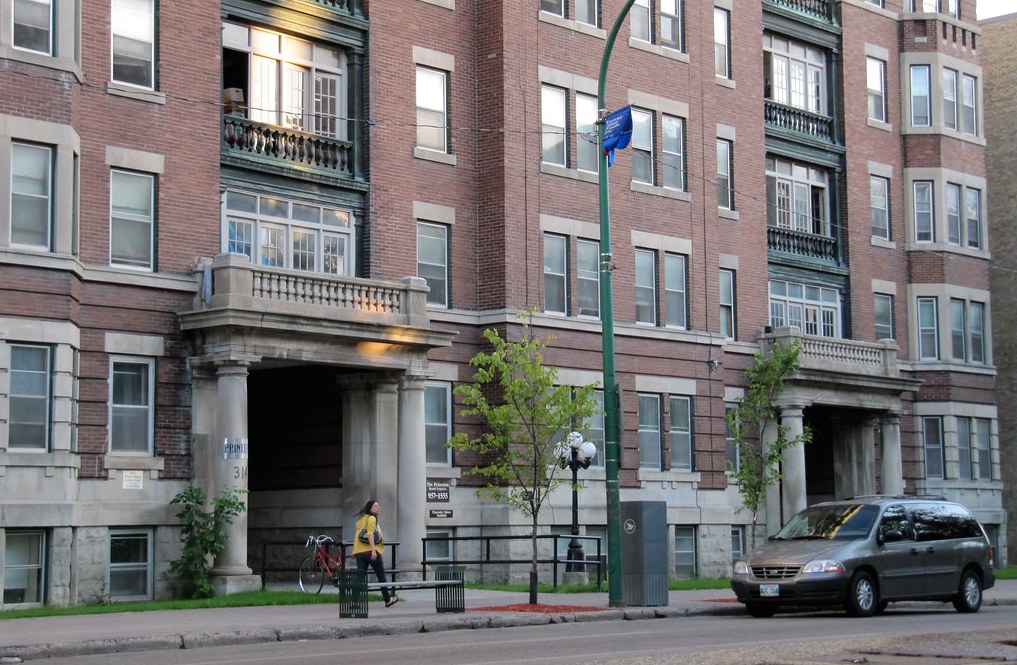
{"type": "Point", "coordinates": [438, 490]}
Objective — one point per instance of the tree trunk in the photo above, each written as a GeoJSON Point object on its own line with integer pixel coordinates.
{"type": "Point", "coordinates": [533, 561]}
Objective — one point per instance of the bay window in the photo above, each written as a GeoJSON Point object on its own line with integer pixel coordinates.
{"type": "Point", "coordinates": [797, 197]}
{"type": "Point", "coordinates": [813, 309]}
{"type": "Point", "coordinates": [794, 74]}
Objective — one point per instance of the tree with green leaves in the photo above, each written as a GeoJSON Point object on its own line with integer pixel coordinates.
{"type": "Point", "coordinates": [525, 413]}
{"type": "Point", "coordinates": [203, 535]}
{"type": "Point", "coordinates": [759, 465]}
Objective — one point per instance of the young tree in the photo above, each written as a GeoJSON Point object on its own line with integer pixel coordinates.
{"type": "Point", "coordinates": [525, 413]}
{"type": "Point", "coordinates": [759, 467]}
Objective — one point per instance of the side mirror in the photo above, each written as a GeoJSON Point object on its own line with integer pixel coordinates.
{"type": "Point", "coordinates": [891, 536]}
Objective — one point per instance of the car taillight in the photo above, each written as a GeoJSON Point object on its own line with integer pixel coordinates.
{"type": "Point", "coordinates": [992, 557]}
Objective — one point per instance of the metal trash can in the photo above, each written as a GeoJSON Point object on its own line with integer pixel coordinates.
{"type": "Point", "coordinates": [450, 598]}
{"type": "Point", "coordinates": [644, 553]}
{"type": "Point", "coordinates": [352, 594]}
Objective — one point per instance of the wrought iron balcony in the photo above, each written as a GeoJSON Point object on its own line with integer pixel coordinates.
{"type": "Point", "coordinates": [800, 243]}
{"type": "Point", "coordinates": [799, 121]}
{"type": "Point", "coordinates": [819, 9]}
{"type": "Point", "coordinates": [245, 138]}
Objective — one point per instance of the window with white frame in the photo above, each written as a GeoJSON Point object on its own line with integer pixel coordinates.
{"type": "Point", "coordinates": [132, 24]}
{"type": "Point", "coordinates": [587, 154]}
{"type": "Point", "coordinates": [813, 309]}
{"type": "Point", "coordinates": [30, 397]}
{"type": "Point", "coordinates": [24, 567]}
{"type": "Point", "coordinates": [442, 548]}
{"type": "Point", "coordinates": [556, 7]}
{"type": "Point", "coordinates": [288, 81]}
{"type": "Point", "coordinates": [965, 444]}
{"type": "Point", "coordinates": [650, 440]}
{"type": "Point", "coordinates": [642, 146]}
{"type": "Point", "coordinates": [438, 422]}
{"type": "Point", "coordinates": [553, 120]}
{"type": "Point", "coordinates": [672, 29]}
{"type": "Point", "coordinates": [131, 405]}
{"type": "Point", "coordinates": [646, 286]}
{"type": "Point", "coordinates": [432, 109]}
{"type": "Point", "coordinates": [732, 455]}
{"type": "Point", "coordinates": [130, 564]}
{"type": "Point", "coordinates": [725, 179]}
{"type": "Point", "coordinates": [132, 220]}
{"type": "Point", "coordinates": [949, 98]}
{"type": "Point", "coordinates": [722, 42]}
{"type": "Point", "coordinates": [932, 444]}
{"type": "Point", "coordinates": [879, 206]}
{"type": "Point", "coordinates": [681, 433]}
{"type": "Point", "coordinates": [973, 217]}
{"type": "Point", "coordinates": [969, 105]}
{"type": "Point", "coordinates": [641, 18]}
{"type": "Point", "coordinates": [556, 296]}
{"type": "Point", "coordinates": [31, 195]}
{"type": "Point", "coordinates": [967, 330]}
{"type": "Point", "coordinates": [588, 12]}
{"type": "Point", "coordinates": [875, 76]}
{"type": "Point", "coordinates": [685, 552]}
{"type": "Point", "coordinates": [672, 152]}
{"type": "Point", "coordinates": [797, 196]}
{"type": "Point", "coordinates": [981, 448]}
{"type": "Point", "coordinates": [283, 233]}
{"type": "Point", "coordinates": [925, 228]}
{"type": "Point", "coordinates": [595, 428]}
{"type": "Point", "coordinates": [432, 261]}
{"type": "Point", "coordinates": [953, 214]}
{"type": "Point", "coordinates": [875, 3]}
{"type": "Point", "coordinates": [726, 302]}
{"type": "Point", "coordinates": [883, 315]}
{"type": "Point", "coordinates": [588, 277]}
{"type": "Point", "coordinates": [737, 542]}
{"type": "Point", "coordinates": [676, 305]}
{"type": "Point", "coordinates": [921, 101]}
{"type": "Point", "coordinates": [33, 25]}
{"type": "Point", "coordinates": [928, 329]}
{"type": "Point", "coordinates": [794, 73]}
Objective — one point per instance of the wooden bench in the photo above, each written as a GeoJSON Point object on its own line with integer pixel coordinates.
{"type": "Point", "coordinates": [449, 590]}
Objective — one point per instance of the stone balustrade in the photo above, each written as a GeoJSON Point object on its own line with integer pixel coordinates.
{"type": "Point", "coordinates": [247, 138]}
{"type": "Point", "coordinates": [839, 355]}
{"type": "Point", "coordinates": [799, 121]}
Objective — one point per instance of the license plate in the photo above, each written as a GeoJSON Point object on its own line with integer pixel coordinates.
{"type": "Point", "coordinates": [769, 590]}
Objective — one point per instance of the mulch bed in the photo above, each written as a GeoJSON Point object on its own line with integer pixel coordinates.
{"type": "Point", "coordinates": [539, 608]}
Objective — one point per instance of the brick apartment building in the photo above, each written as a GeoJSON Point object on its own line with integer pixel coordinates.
{"type": "Point", "coordinates": [999, 63]}
{"type": "Point", "coordinates": [256, 245]}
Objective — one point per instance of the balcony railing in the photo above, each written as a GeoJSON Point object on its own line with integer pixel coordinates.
{"type": "Point", "coordinates": [839, 355]}
{"type": "Point", "coordinates": [341, 6]}
{"type": "Point", "coordinates": [239, 285]}
{"type": "Point", "coordinates": [241, 136]}
{"type": "Point", "coordinates": [801, 243]}
{"type": "Point", "coordinates": [821, 9]}
{"type": "Point", "coordinates": [799, 121]}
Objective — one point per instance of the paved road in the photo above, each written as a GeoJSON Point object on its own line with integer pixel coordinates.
{"type": "Point", "coordinates": [813, 638]}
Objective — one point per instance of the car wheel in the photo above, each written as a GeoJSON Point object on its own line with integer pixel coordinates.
{"type": "Point", "coordinates": [761, 611]}
{"type": "Point", "coordinates": [862, 596]}
{"type": "Point", "coordinates": [969, 594]}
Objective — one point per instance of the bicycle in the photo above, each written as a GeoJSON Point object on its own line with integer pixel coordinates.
{"type": "Point", "coordinates": [319, 565]}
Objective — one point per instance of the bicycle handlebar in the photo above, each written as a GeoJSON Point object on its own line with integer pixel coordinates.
{"type": "Point", "coordinates": [319, 541]}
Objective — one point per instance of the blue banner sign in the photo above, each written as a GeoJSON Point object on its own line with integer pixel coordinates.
{"type": "Point", "coordinates": [617, 132]}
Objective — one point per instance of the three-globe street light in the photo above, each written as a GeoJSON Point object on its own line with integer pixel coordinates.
{"type": "Point", "coordinates": [574, 453]}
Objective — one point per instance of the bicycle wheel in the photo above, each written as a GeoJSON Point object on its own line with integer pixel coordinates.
{"type": "Point", "coordinates": [311, 575]}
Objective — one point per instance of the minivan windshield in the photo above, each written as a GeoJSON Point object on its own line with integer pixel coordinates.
{"type": "Point", "coordinates": [841, 521]}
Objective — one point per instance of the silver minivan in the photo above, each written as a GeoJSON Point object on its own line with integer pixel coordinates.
{"type": "Point", "coordinates": [865, 552]}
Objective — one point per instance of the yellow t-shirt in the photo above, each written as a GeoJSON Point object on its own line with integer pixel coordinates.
{"type": "Point", "coordinates": [369, 522]}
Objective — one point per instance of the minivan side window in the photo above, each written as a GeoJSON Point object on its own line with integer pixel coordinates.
{"type": "Point", "coordinates": [895, 519]}
{"type": "Point", "coordinates": [941, 521]}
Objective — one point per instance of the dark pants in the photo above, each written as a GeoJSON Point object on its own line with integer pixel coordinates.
{"type": "Point", "coordinates": [378, 564]}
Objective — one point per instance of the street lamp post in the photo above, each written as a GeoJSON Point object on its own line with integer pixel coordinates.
{"type": "Point", "coordinates": [576, 454]}
{"type": "Point", "coordinates": [611, 397]}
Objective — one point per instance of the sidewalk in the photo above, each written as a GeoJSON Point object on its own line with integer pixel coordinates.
{"type": "Point", "coordinates": [142, 631]}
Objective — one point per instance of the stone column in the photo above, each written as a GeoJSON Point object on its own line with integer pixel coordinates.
{"type": "Point", "coordinates": [867, 461]}
{"type": "Point", "coordinates": [891, 465]}
{"type": "Point", "coordinates": [230, 573]}
{"type": "Point", "coordinates": [411, 487]}
{"type": "Point", "coordinates": [793, 468]}
{"type": "Point", "coordinates": [774, 517]}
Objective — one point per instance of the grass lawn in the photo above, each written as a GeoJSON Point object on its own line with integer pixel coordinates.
{"type": "Point", "coordinates": [257, 598]}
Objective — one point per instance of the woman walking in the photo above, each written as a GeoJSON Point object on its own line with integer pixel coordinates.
{"type": "Point", "coordinates": [369, 547]}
